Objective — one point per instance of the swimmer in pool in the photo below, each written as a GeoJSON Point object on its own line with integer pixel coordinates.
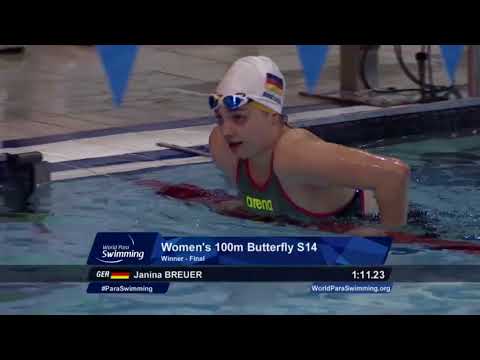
{"type": "Point", "coordinates": [283, 172]}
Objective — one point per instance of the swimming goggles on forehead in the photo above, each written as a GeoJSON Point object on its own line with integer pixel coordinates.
{"type": "Point", "coordinates": [231, 102]}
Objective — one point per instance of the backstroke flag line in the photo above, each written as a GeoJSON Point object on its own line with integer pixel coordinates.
{"type": "Point", "coordinates": [312, 58]}
{"type": "Point", "coordinates": [452, 55]}
{"type": "Point", "coordinates": [118, 62]}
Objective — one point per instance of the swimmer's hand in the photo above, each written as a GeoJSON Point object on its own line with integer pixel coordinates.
{"type": "Point", "coordinates": [231, 208]}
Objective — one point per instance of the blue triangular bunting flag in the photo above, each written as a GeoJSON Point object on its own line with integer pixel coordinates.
{"type": "Point", "coordinates": [118, 62]}
{"type": "Point", "coordinates": [451, 57]}
{"type": "Point", "coordinates": [312, 58]}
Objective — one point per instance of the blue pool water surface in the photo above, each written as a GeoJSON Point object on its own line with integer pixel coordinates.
{"type": "Point", "coordinates": [444, 188]}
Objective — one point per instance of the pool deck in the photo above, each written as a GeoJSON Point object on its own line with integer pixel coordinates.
{"type": "Point", "coordinates": [55, 99]}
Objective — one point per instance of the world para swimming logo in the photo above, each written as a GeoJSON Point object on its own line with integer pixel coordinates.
{"type": "Point", "coordinates": [122, 248]}
{"type": "Point", "coordinates": [116, 254]}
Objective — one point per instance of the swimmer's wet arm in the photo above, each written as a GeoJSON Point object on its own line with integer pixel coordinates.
{"type": "Point", "coordinates": [227, 162]}
{"type": "Point", "coordinates": [316, 162]}
{"type": "Point", "coordinates": [222, 156]}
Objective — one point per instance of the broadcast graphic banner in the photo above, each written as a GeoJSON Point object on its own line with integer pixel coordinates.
{"type": "Point", "coordinates": [118, 252]}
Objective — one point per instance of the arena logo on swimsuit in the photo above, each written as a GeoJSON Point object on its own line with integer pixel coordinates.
{"type": "Point", "coordinates": [259, 204]}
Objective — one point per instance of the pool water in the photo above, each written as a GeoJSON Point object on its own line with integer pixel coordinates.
{"type": "Point", "coordinates": [444, 187]}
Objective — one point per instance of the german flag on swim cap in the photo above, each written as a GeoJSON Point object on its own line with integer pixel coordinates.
{"type": "Point", "coordinates": [274, 84]}
{"type": "Point", "coordinates": [259, 78]}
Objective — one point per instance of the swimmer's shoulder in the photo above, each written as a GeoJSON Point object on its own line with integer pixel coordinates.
{"type": "Point", "coordinates": [290, 146]}
{"type": "Point", "coordinates": [295, 137]}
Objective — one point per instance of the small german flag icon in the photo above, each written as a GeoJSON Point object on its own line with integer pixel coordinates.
{"type": "Point", "coordinates": [120, 276]}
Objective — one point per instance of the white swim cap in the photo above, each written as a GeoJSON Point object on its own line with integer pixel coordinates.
{"type": "Point", "coordinates": [259, 78]}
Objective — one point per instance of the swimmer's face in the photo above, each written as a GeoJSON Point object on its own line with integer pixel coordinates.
{"type": "Point", "coordinates": [248, 130]}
